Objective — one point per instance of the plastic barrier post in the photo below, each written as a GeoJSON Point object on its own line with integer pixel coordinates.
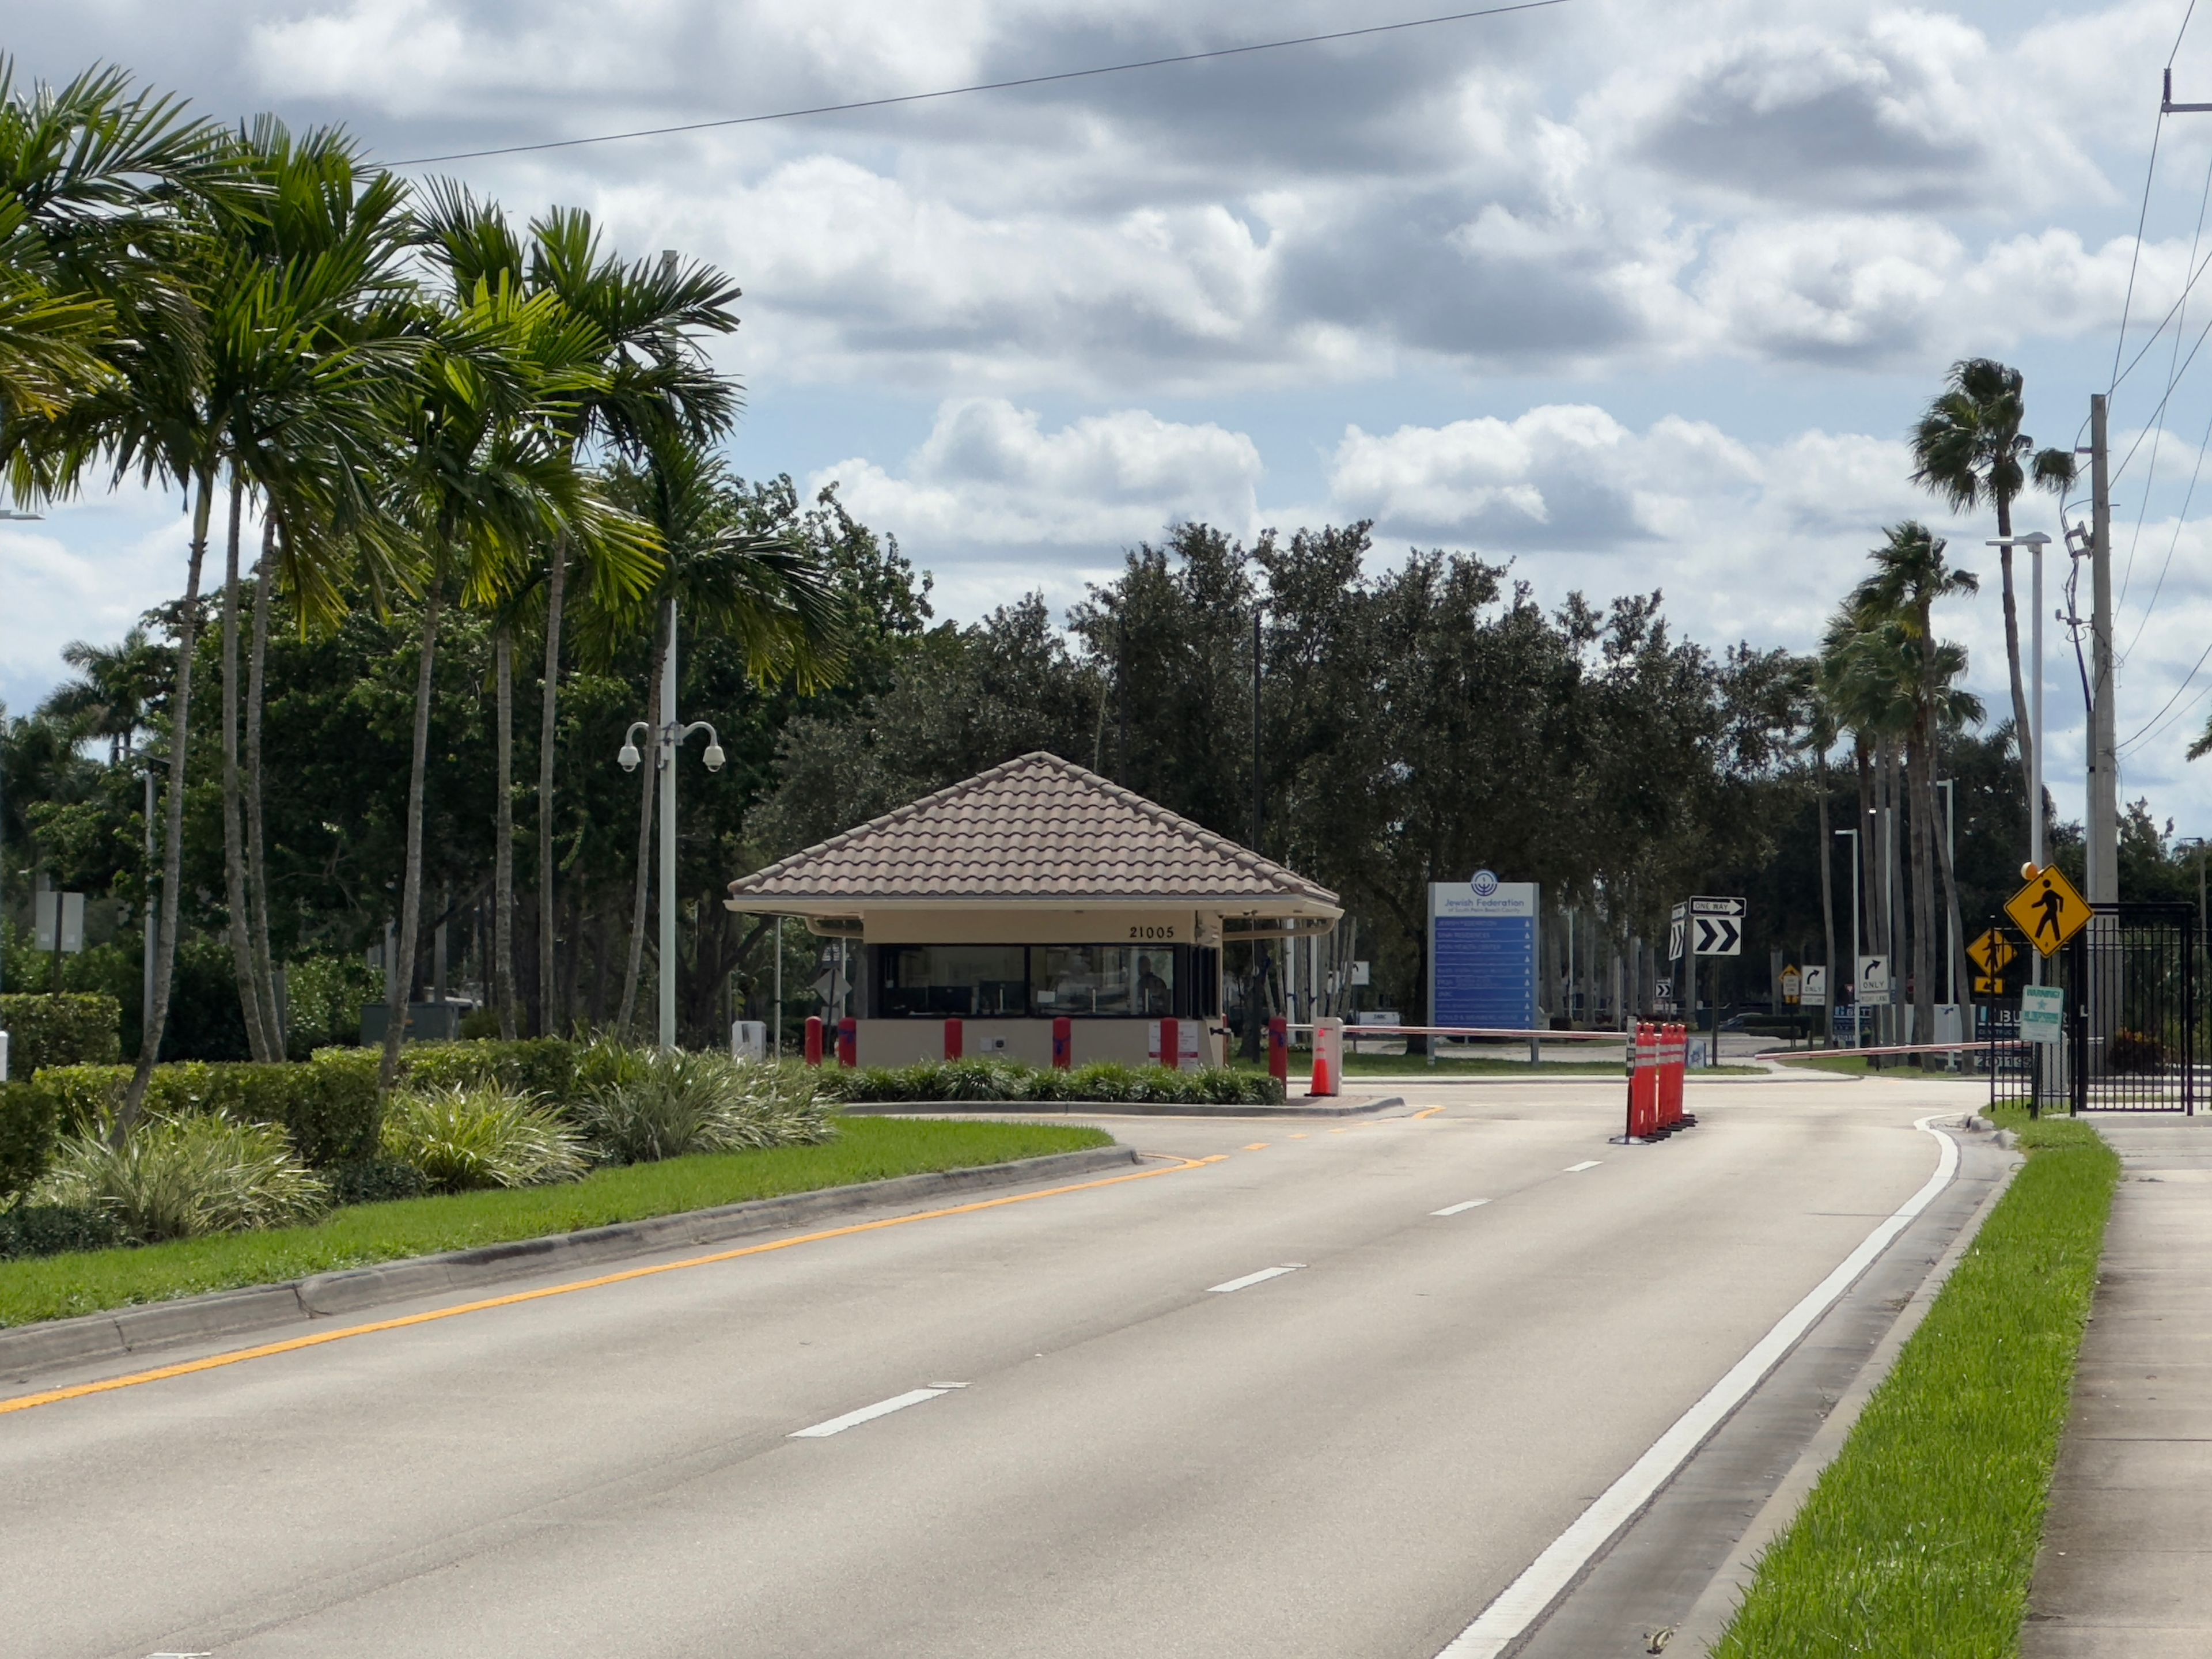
{"type": "Point", "coordinates": [956, 1039]}
{"type": "Point", "coordinates": [814, 1039]}
{"type": "Point", "coordinates": [1171, 1044]}
{"type": "Point", "coordinates": [1063, 1044]}
{"type": "Point", "coordinates": [1678, 1065]}
{"type": "Point", "coordinates": [1647, 1080]}
{"type": "Point", "coordinates": [848, 1043]}
{"type": "Point", "coordinates": [1328, 1056]}
{"type": "Point", "coordinates": [1278, 1050]}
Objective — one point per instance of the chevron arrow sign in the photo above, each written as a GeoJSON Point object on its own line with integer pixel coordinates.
{"type": "Point", "coordinates": [1719, 936]}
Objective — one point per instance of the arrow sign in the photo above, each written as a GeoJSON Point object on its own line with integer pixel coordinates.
{"type": "Point", "coordinates": [1719, 936]}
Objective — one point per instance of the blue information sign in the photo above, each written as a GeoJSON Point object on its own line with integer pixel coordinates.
{"type": "Point", "coordinates": [1482, 953]}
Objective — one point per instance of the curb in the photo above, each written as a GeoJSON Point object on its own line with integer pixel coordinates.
{"type": "Point", "coordinates": [1359, 1106]}
{"type": "Point", "coordinates": [29, 1348]}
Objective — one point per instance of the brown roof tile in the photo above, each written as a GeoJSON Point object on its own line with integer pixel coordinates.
{"type": "Point", "coordinates": [1036, 828]}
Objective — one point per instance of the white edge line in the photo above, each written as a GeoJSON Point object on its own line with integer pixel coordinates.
{"type": "Point", "coordinates": [1525, 1600]}
{"type": "Point", "coordinates": [1259, 1277]}
{"type": "Point", "coordinates": [1577, 1169]}
{"type": "Point", "coordinates": [866, 1414]}
{"type": "Point", "coordinates": [1461, 1209]}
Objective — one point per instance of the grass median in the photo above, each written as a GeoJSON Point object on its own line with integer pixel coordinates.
{"type": "Point", "coordinates": [1921, 1537]}
{"type": "Point", "coordinates": [866, 1149]}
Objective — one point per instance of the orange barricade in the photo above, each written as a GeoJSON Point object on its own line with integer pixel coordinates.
{"type": "Point", "coordinates": [1670, 1088]}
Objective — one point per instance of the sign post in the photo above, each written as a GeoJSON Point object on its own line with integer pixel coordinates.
{"type": "Point", "coordinates": [1706, 927]}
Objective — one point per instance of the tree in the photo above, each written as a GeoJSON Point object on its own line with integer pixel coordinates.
{"type": "Point", "coordinates": [114, 687]}
{"type": "Point", "coordinates": [1968, 449]}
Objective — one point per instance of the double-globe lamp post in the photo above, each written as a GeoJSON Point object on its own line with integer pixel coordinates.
{"type": "Point", "coordinates": [666, 743]}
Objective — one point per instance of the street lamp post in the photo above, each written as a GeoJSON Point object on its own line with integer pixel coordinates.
{"type": "Point", "coordinates": [2035, 541]}
{"type": "Point", "coordinates": [1858, 1023]}
{"type": "Point", "coordinates": [666, 743]}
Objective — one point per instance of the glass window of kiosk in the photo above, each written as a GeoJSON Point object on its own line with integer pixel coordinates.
{"type": "Point", "coordinates": [973, 981]}
{"type": "Point", "coordinates": [1103, 981]}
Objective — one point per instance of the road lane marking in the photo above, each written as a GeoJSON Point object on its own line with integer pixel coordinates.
{"type": "Point", "coordinates": [1250, 1280]}
{"type": "Point", "coordinates": [1526, 1599]}
{"type": "Point", "coordinates": [868, 1413]}
{"type": "Point", "coordinates": [1257, 1146]}
{"type": "Point", "coordinates": [1298, 1136]}
{"type": "Point", "coordinates": [1577, 1169]}
{"type": "Point", "coordinates": [293, 1345]}
{"type": "Point", "coordinates": [1427, 1111]}
{"type": "Point", "coordinates": [1461, 1209]}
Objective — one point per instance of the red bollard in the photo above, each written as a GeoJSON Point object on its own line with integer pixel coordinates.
{"type": "Point", "coordinates": [1647, 1081]}
{"type": "Point", "coordinates": [955, 1039]}
{"type": "Point", "coordinates": [1063, 1044]}
{"type": "Point", "coordinates": [1678, 1059]}
{"type": "Point", "coordinates": [814, 1039]}
{"type": "Point", "coordinates": [1279, 1051]}
{"type": "Point", "coordinates": [1171, 1044]}
{"type": "Point", "coordinates": [848, 1043]}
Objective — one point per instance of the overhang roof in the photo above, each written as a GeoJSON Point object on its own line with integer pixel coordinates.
{"type": "Point", "coordinates": [1035, 831]}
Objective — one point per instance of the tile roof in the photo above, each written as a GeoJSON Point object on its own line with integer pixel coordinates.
{"type": "Point", "coordinates": [1036, 828]}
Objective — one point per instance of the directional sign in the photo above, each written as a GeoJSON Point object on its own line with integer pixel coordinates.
{"type": "Point", "coordinates": [1813, 992]}
{"type": "Point", "coordinates": [1992, 953]}
{"type": "Point", "coordinates": [2049, 910]}
{"type": "Point", "coordinates": [1874, 978]}
{"type": "Point", "coordinates": [1792, 984]}
{"type": "Point", "coordinates": [1677, 933]}
{"type": "Point", "coordinates": [1713, 926]}
{"type": "Point", "coordinates": [1664, 990]}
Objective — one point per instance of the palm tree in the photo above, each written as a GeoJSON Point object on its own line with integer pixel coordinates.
{"type": "Point", "coordinates": [1818, 730]}
{"type": "Point", "coordinates": [766, 591]}
{"type": "Point", "coordinates": [484, 476]}
{"type": "Point", "coordinates": [113, 194]}
{"type": "Point", "coordinates": [114, 687]}
{"type": "Point", "coordinates": [1967, 449]}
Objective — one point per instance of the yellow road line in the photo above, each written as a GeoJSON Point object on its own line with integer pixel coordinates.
{"type": "Point", "coordinates": [1428, 1111]}
{"type": "Point", "coordinates": [1298, 1136]}
{"type": "Point", "coordinates": [238, 1356]}
{"type": "Point", "coordinates": [1257, 1146]}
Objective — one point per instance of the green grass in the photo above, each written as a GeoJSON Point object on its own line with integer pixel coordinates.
{"type": "Point", "coordinates": [1921, 1537]}
{"type": "Point", "coordinates": [866, 1149]}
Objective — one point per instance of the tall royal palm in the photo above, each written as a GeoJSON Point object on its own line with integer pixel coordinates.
{"type": "Point", "coordinates": [485, 475]}
{"type": "Point", "coordinates": [118, 200]}
{"type": "Point", "coordinates": [1967, 450]}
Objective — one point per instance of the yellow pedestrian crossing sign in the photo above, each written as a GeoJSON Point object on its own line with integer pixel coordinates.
{"type": "Point", "coordinates": [1992, 953]}
{"type": "Point", "coordinates": [2049, 911]}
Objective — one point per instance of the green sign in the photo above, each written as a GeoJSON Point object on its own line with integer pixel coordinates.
{"type": "Point", "coordinates": [2042, 1013]}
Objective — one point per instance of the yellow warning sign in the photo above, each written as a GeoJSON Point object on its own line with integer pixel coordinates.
{"type": "Point", "coordinates": [2049, 911]}
{"type": "Point", "coordinates": [1992, 953]}
{"type": "Point", "coordinates": [1986, 987]}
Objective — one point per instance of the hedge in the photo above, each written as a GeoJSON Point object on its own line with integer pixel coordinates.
{"type": "Point", "coordinates": [328, 1105]}
{"type": "Point", "coordinates": [75, 1027]}
{"type": "Point", "coordinates": [998, 1081]}
{"type": "Point", "coordinates": [27, 1135]}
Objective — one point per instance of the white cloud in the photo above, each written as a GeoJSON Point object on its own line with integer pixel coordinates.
{"type": "Point", "coordinates": [86, 573]}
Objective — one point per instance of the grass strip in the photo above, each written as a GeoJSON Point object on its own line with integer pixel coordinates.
{"type": "Point", "coordinates": [866, 1149]}
{"type": "Point", "coordinates": [1921, 1537]}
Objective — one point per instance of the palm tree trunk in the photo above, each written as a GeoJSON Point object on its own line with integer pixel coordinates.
{"type": "Point", "coordinates": [233, 833]}
{"type": "Point", "coordinates": [550, 1013]}
{"type": "Point", "coordinates": [2027, 739]}
{"type": "Point", "coordinates": [257, 864]}
{"type": "Point", "coordinates": [172, 844]}
{"type": "Point", "coordinates": [411, 887]}
{"type": "Point", "coordinates": [1924, 889]}
{"type": "Point", "coordinates": [1862, 850]}
{"type": "Point", "coordinates": [650, 771]}
{"type": "Point", "coordinates": [1828, 889]}
{"type": "Point", "coordinates": [502, 911]}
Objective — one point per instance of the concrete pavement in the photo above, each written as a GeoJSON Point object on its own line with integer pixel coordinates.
{"type": "Point", "coordinates": [2126, 1566]}
{"type": "Point", "coordinates": [1352, 1456]}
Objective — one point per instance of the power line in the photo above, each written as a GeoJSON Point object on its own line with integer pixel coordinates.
{"type": "Point", "coordinates": [2173, 372]}
{"type": "Point", "coordinates": [1001, 85]}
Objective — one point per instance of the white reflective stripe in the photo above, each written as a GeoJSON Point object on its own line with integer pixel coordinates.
{"type": "Point", "coordinates": [1461, 1209]}
{"type": "Point", "coordinates": [1259, 1277]}
{"type": "Point", "coordinates": [1577, 1169]}
{"type": "Point", "coordinates": [866, 1414]}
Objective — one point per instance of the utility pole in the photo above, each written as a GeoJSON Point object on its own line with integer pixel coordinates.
{"type": "Point", "coordinates": [2104, 827]}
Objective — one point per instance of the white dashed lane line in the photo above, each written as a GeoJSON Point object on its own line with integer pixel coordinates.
{"type": "Point", "coordinates": [1577, 1169]}
{"type": "Point", "coordinates": [1461, 1209]}
{"type": "Point", "coordinates": [869, 1413]}
{"type": "Point", "coordinates": [1250, 1280]}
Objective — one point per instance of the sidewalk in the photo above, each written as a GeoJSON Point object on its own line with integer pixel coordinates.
{"type": "Point", "coordinates": [2126, 1566]}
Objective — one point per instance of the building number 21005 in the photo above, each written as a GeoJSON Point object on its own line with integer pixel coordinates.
{"type": "Point", "coordinates": [1167, 932]}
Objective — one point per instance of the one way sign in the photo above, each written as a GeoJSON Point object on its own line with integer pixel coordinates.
{"type": "Point", "coordinates": [1716, 927]}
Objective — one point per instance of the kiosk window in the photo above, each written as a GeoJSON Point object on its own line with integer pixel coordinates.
{"type": "Point", "coordinates": [972, 981]}
{"type": "Point", "coordinates": [1101, 982]}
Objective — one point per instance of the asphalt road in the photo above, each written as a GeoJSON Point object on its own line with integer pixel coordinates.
{"type": "Point", "coordinates": [1353, 1457]}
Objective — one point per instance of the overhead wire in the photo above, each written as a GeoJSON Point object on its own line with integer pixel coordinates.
{"type": "Point", "coordinates": [992, 86]}
{"type": "Point", "coordinates": [2143, 508]}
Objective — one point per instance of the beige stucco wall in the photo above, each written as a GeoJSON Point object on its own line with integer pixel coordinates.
{"type": "Point", "coordinates": [1028, 1041]}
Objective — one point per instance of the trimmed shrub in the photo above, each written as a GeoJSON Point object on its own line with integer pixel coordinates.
{"type": "Point", "coordinates": [185, 1177]}
{"type": "Point", "coordinates": [328, 1105]}
{"type": "Point", "coordinates": [648, 1106]}
{"type": "Point", "coordinates": [544, 1066]}
{"type": "Point", "coordinates": [77, 1028]}
{"type": "Point", "coordinates": [465, 1137]}
{"type": "Point", "coordinates": [28, 1230]}
{"type": "Point", "coordinates": [27, 1135]}
{"type": "Point", "coordinates": [1108, 1082]}
{"type": "Point", "coordinates": [377, 1181]}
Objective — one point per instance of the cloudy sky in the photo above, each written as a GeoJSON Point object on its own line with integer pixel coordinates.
{"type": "Point", "coordinates": [1638, 295]}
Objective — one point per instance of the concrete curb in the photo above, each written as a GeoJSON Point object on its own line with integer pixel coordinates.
{"type": "Point", "coordinates": [1354, 1106]}
{"type": "Point", "coordinates": [29, 1348]}
{"type": "Point", "coordinates": [1709, 1616]}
